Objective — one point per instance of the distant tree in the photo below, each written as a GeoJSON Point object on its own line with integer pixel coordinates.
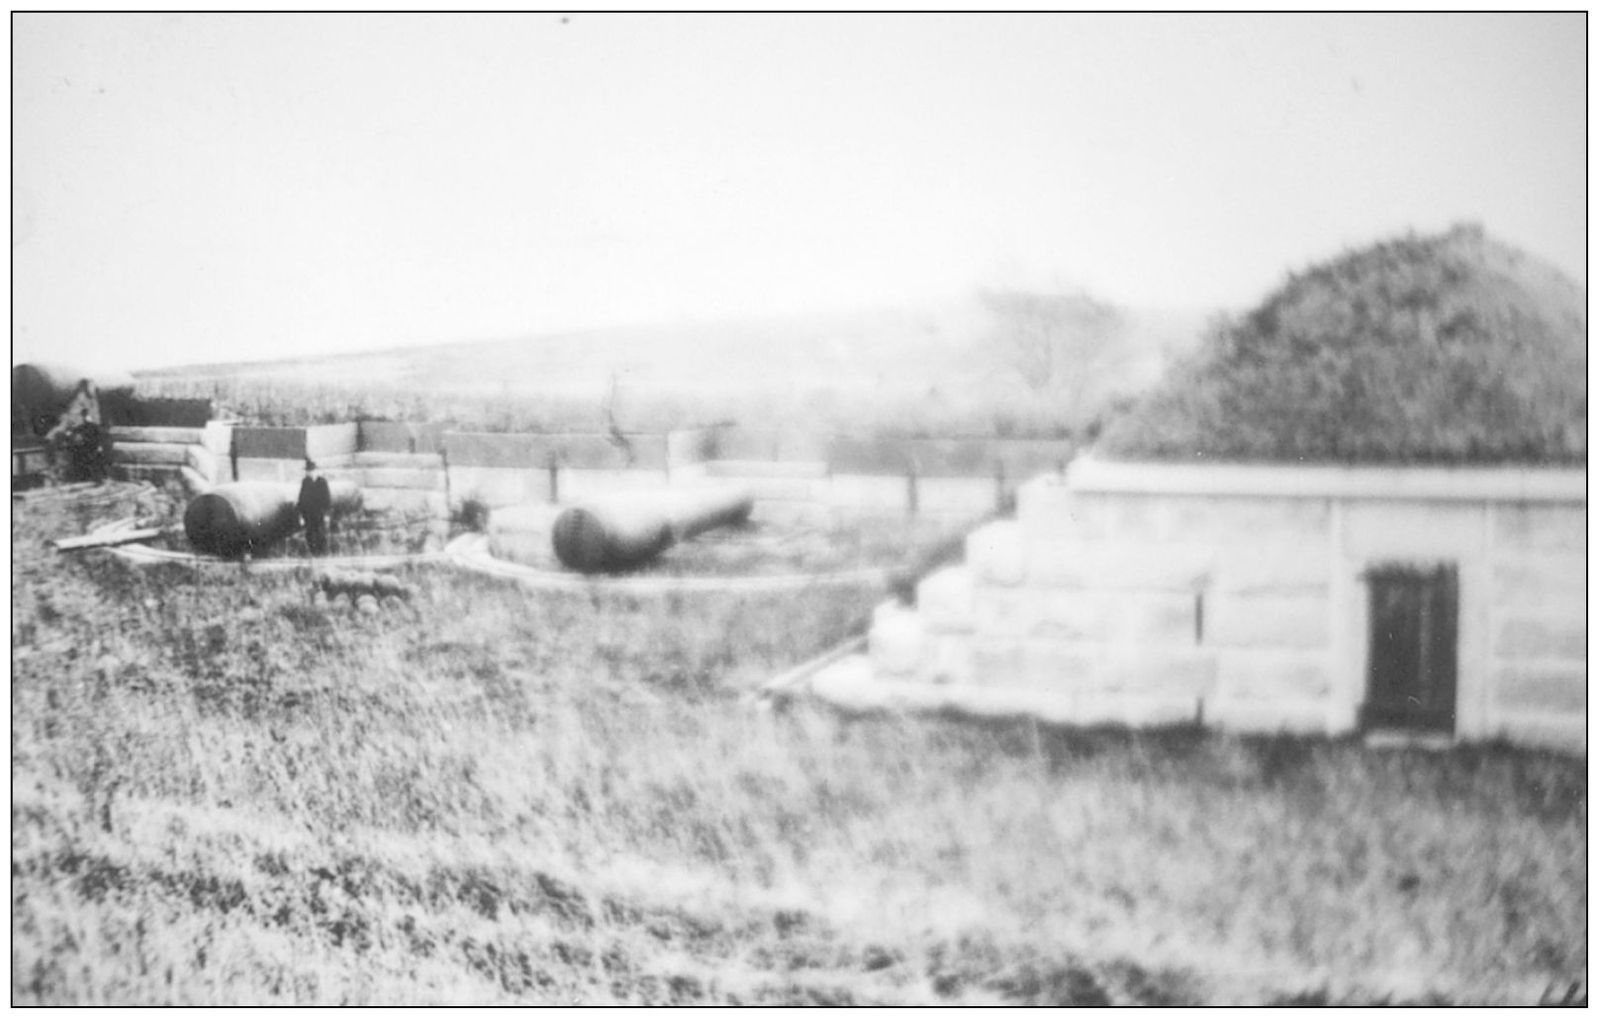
{"type": "Point", "coordinates": [1058, 344]}
{"type": "Point", "coordinates": [1447, 349]}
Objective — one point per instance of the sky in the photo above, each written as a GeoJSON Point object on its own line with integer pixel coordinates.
{"type": "Point", "coordinates": [191, 188]}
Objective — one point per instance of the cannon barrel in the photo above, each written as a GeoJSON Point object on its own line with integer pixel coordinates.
{"type": "Point", "coordinates": [625, 531]}
{"type": "Point", "coordinates": [235, 518]}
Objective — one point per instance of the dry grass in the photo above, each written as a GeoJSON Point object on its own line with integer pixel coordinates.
{"type": "Point", "coordinates": [222, 794]}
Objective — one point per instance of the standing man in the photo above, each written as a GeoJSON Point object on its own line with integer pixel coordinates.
{"type": "Point", "coordinates": [314, 504]}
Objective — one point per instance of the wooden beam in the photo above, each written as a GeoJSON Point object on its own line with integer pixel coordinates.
{"type": "Point", "coordinates": [101, 541]}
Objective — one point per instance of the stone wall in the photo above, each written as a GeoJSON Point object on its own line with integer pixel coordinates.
{"type": "Point", "coordinates": [1147, 595]}
{"type": "Point", "coordinates": [1537, 622]}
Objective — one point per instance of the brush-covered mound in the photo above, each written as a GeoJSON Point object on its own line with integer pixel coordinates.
{"type": "Point", "coordinates": [1452, 348]}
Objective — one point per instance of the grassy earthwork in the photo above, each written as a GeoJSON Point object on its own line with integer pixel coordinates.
{"type": "Point", "coordinates": [224, 793]}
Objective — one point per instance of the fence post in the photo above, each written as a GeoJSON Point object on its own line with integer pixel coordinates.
{"type": "Point", "coordinates": [445, 469]}
{"type": "Point", "coordinates": [912, 489]}
{"type": "Point", "coordinates": [551, 468]}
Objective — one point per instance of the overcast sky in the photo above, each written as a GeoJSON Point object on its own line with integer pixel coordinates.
{"type": "Point", "coordinates": [228, 187]}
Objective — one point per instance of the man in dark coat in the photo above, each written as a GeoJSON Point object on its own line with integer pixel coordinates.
{"type": "Point", "coordinates": [314, 503]}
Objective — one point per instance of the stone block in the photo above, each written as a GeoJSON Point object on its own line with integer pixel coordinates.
{"type": "Point", "coordinates": [1550, 636]}
{"type": "Point", "coordinates": [1160, 710]}
{"type": "Point", "coordinates": [577, 484]}
{"type": "Point", "coordinates": [1290, 716]}
{"type": "Point", "coordinates": [1395, 529]}
{"type": "Point", "coordinates": [1186, 676]}
{"type": "Point", "coordinates": [529, 518]}
{"type": "Point", "coordinates": [325, 442]}
{"type": "Point", "coordinates": [995, 553]}
{"type": "Point", "coordinates": [1003, 612]}
{"type": "Point", "coordinates": [1073, 615]}
{"type": "Point", "coordinates": [1119, 516]}
{"type": "Point", "coordinates": [150, 434]}
{"type": "Point", "coordinates": [269, 443]}
{"type": "Point", "coordinates": [1133, 710]}
{"type": "Point", "coordinates": [401, 437]}
{"type": "Point", "coordinates": [150, 453]}
{"type": "Point", "coordinates": [193, 480]}
{"type": "Point", "coordinates": [217, 437]}
{"type": "Point", "coordinates": [946, 600]}
{"type": "Point", "coordinates": [259, 469]}
{"type": "Point", "coordinates": [788, 512]}
{"type": "Point", "coordinates": [1267, 567]}
{"type": "Point", "coordinates": [1555, 689]}
{"type": "Point", "coordinates": [1156, 618]}
{"type": "Point", "coordinates": [997, 662]}
{"type": "Point", "coordinates": [1540, 580]}
{"type": "Point", "coordinates": [897, 643]}
{"type": "Point", "coordinates": [1231, 519]}
{"type": "Point", "coordinates": [691, 446]}
{"type": "Point", "coordinates": [203, 462]}
{"type": "Point", "coordinates": [526, 547]}
{"type": "Point", "coordinates": [157, 474]}
{"type": "Point", "coordinates": [497, 487]}
{"type": "Point", "coordinates": [410, 502]}
{"type": "Point", "coordinates": [1045, 507]}
{"type": "Point", "coordinates": [1099, 708]}
{"type": "Point", "coordinates": [402, 478]}
{"type": "Point", "coordinates": [747, 470]}
{"type": "Point", "coordinates": [775, 489]}
{"type": "Point", "coordinates": [973, 496]}
{"type": "Point", "coordinates": [950, 659]}
{"type": "Point", "coordinates": [868, 492]}
{"type": "Point", "coordinates": [1532, 527]}
{"type": "Point", "coordinates": [1106, 565]}
{"type": "Point", "coordinates": [392, 459]}
{"type": "Point", "coordinates": [1255, 675]}
{"type": "Point", "coordinates": [1067, 667]}
{"type": "Point", "coordinates": [1266, 621]}
{"type": "Point", "coordinates": [1556, 732]}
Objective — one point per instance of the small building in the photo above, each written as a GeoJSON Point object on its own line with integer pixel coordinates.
{"type": "Point", "coordinates": [1254, 598]}
{"type": "Point", "coordinates": [1363, 509]}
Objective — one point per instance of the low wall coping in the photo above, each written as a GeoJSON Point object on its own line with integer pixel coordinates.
{"type": "Point", "coordinates": [1504, 484]}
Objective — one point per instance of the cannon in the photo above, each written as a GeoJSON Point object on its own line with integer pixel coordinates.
{"type": "Point", "coordinates": [58, 419]}
{"type": "Point", "coordinates": [625, 531]}
{"type": "Point", "coordinates": [42, 393]}
{"type": "Point", "coordinates": [243, 516]}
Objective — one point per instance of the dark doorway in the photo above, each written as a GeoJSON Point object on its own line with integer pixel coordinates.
{"type": "Point", "coordinates": [1413, 647]}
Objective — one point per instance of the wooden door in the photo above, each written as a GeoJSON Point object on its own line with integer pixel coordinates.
{"type": "Point", "coordinates": [1413, 647]}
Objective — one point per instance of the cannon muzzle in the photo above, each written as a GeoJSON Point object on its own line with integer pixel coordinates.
{"type": "Point", "coordinates": [625, 531]}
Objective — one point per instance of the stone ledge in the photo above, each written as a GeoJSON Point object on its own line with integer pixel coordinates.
{"type": "Point", "coordinates": [1289, 716]}
{"type": "Point", "coordinates": [1532, 485]}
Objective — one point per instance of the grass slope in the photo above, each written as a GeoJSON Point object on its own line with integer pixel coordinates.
{"type": "Point", "coordinates": [222, 794]}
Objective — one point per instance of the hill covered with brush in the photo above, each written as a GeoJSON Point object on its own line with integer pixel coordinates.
{"type": "Point", "coordinates": [954, 368]}
{"type": "Point", "coordinates": [1452, 348]}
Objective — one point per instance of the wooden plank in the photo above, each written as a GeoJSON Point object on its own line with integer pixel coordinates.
{"type": "Point", "coordinates": [102, 541]}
